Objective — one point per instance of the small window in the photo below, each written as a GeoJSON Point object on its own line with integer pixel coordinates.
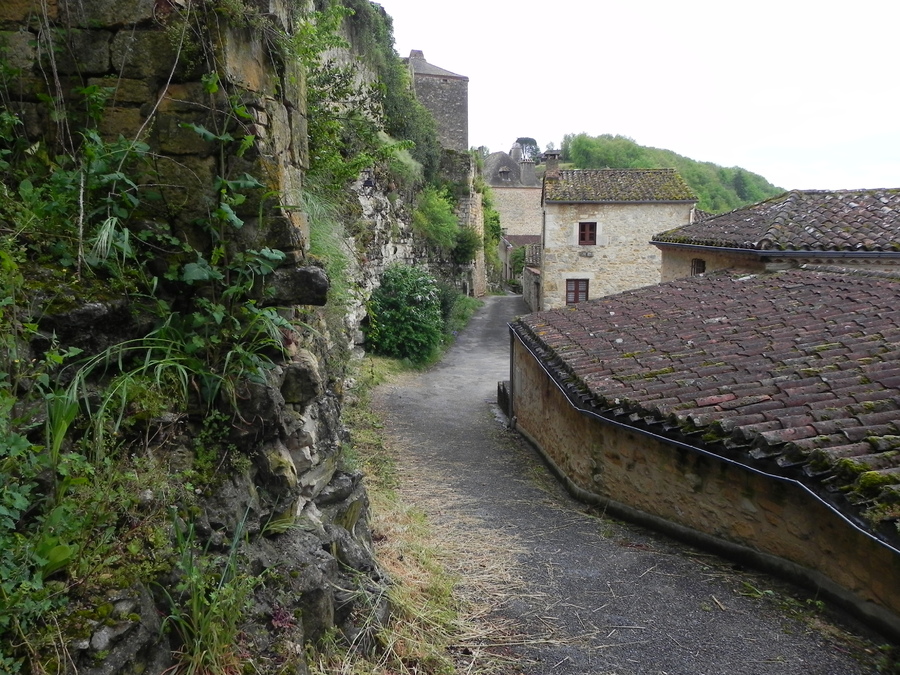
{"type": "Point", "coordinates": [587, 234]}
{"type": "Point", "coordinates": [576, 291]}
{"type": "Point", "coordinates": [698, 266]}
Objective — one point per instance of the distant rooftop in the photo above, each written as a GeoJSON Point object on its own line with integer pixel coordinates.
{"type": "Point", "coordinates": [421, 67]}
{"type": "Point", "coordinates": [803, 220]}
{"type": "Point", "coordinates": [618, 185]}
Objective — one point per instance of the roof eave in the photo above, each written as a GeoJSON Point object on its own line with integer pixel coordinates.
{"type": "Point", "coordinates": [779, 253]}
{"type": "Point", "coordinates": [626, 201]}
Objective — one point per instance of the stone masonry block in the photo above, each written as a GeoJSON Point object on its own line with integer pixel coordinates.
{"type": "Point", "coordinates": [124, 122]}
{"type": "Point", "coordinates": [123, 90]}
{"type": "Point", "coordinates": [21, 11]}
{"type": "Point", "coordinates": [142, 54]}
{"type": "Point", "coordinates": [108, 12]}
{"type": "Point", "coordinates": [248, 63]}
{"type": "Point", "coordinates": [84, 52]}
{"type": "Point", "coordinates": [176, 139]}
{"type": "Point", "coordinates": [17, 49]}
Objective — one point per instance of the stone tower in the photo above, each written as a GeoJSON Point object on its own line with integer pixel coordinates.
{"type": "Point", "coordinates": [446, 96]}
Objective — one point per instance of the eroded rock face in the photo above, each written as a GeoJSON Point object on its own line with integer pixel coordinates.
{"type": "Point", "coordinates": [302, 519]}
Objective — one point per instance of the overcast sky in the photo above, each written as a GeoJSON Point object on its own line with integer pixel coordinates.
{"type": "Point", "coordinates": [805, 93]}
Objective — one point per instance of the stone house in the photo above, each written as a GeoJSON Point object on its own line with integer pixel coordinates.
{"type": "Point", "coordinates": [517, 198]}
{"type": "Point", "coordinates": [596, 227]}
{"type": "Point", "coordinates": [858, 228]}
{"type": "Point", "coordinates": [756, 414]}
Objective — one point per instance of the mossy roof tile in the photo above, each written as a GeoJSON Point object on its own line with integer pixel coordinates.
{"type": "Point", "coordinates": [796, 382]}
{"type": "Point", "coordinates": [618, 186]}
{"type": "Point", "coordinates": [802, 220]}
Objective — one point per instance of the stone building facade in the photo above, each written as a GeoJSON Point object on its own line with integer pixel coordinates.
{"type": "Point", "coordinates": [516, 194]}
{"type": "Point", "coordinates": [446, 95]}
{"type": "Point", "coordinates": [596, 229]}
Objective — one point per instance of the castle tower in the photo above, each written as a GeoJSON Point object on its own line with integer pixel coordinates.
{"type": "Point", "coordinates": [446, 96]}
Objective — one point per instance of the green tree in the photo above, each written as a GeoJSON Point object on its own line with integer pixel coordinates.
{"type": "Point", "coordinates": [530, 148]}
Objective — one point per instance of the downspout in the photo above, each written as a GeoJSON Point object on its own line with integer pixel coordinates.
{"type": "Point", "coordinates": [510, 413]}
{"type": "Point", "coordinates": [883, 619]}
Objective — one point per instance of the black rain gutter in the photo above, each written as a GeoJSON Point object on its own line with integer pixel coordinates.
{"type": "Point", "coordinates": [885, 620]}
{"type": "Point", "coordinates": [771, 253]}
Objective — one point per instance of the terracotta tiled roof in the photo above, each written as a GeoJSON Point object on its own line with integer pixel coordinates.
{"type": "Point", "coordinates": [618, 185]}
{"type": "Point", "coordinates": [795, 372]}
{"type": "Point", "coordinates": [803, 220]}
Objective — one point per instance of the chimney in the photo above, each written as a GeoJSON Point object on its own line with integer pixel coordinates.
{"type": "Point", "coordinates": [526, 167]}
{"type": "Point", "coordinates": [552, 170]}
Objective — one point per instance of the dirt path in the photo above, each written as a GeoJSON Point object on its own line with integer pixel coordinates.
{"type": "Point", "coordinates": [565, 590]}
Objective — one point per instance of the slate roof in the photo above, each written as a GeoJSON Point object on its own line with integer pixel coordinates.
{"type": "Point", "coordinates": [796, 373]}
{"type": "Point", "coordinates": [421, 67]}
{"type": "Point", "coordinates": [496, 161]}
{"type": "Point", "coordinates": [616, 186]}
{"type": "Point", "coordinates": [803, 220]}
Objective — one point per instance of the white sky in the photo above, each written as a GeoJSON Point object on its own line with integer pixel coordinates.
{"type": "Point", "coordinates": [804, 92]}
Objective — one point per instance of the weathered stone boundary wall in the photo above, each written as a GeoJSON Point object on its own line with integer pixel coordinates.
{"type": "Point", "coordinates": [774, 524]}
{"type": "Point", "coordinates": [531, 288]}
{"type": "Point", "coordinates": [305, 515]}
{"type": "Point", "coordinates": [459, 167]}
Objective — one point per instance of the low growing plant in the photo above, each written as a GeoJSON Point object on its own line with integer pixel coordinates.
{"type": "Point", "coordinates": [405, 314]}
{"type": "Point", "coordinates": [434, 219]}
{"type": "Point", "coordinates": [207, 608]}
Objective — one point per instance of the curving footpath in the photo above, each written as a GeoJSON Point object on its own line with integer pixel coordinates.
{"type": "Point", "coordinates": [564, 589]}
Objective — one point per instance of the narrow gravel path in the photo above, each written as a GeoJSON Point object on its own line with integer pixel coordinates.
{"type": "Point", "coordinates": [565, 589]}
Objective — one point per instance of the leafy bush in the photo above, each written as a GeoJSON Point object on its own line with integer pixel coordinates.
{"type": "Point", "coordinates": [434, 219]}
{"type": "Point", "coordinates": [405, 315]}
{"type": "Point", "coordinates": [468, 243]}
{"type": "Point", "coordinates": [517, 261]}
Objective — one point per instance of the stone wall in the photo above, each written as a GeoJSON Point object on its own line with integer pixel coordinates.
{"type": "Point", "coordinates": [621, 260]}
{"type": "Point", "coordinates": [531, 288]}
{"type": "Point", "coordinates": [458, 167]}
{"type": "Point", "coordinates": [305, 516]}
{"type": "Point", "coordinates": [519, 208]}
{"type": "Point", "coordinates": [705, 499]}
{"type": "Point", "coordinates": [676, 262]}
{"type": "Point", "coordinates": [149, 60]}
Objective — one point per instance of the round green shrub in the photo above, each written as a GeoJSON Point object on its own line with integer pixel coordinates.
{"type": "Point", "coordinates": [405, 315]}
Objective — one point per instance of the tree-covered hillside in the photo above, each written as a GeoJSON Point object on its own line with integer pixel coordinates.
{"type": "Point", "coordinates": [719, 188]}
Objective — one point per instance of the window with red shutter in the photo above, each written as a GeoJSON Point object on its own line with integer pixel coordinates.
{"type": "Point", "coordinates": [587, 234]}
